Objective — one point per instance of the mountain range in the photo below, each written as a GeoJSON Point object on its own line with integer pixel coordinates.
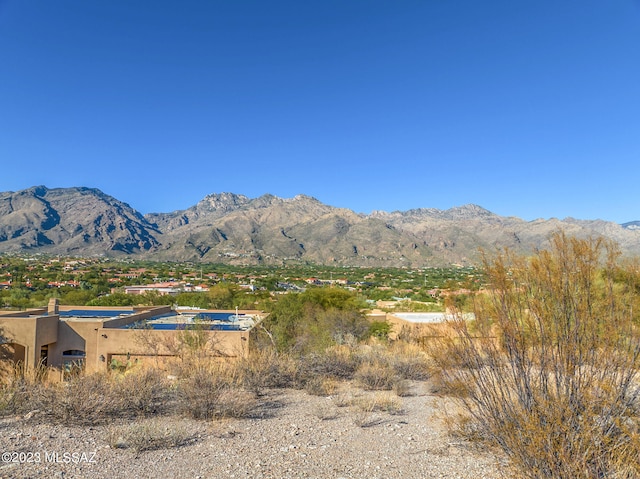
{"type": "Point", "coordinates": [235, 229]}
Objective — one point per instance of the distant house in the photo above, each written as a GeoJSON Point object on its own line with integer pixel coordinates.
{"type": "Point", "coordinates": [93, 338]}
{"type": "Point", "coordinates": [162, 289]}
{"type": "Point", "coordinates": [60, 284]}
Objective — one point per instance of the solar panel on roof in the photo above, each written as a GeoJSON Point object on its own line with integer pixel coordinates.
{"type": "Point", "coordinates": [89, 313]}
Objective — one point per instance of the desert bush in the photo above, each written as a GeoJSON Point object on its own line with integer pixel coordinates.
{"type": "Point", "coordinates": [148, 435]}
{"type": "Point", "coordinates": [376, 376]}
{"type": "Point", "coordinates": [380, 330]}
{"type": "Point", "coordinates": [212, 394]}
{"type": "Point", "coordinates": [320, 386]}
{"type": "Point", "coordinates": [409, 361]}
{"type": "Point", "coordinates": [142, 391]}
{"type": "Point", "coordinates": [21, 388]}
{"type": "Point", "coordinates": [266, 369]}
{"type": "Point", "coordinates": [450, 384]}
{"type": "Point", "coordinates": [363, 409]}
{"type": "Point", "coordinates": [339, 362]}
{"type": "Point", "coordinates": [402, 388]}
{"type": "Point", "coordinates": [84, 400]}
{"type": "Point", "coordinates": [316, 319]}
{"type": "Point", "coordinates": [345, 399]}
{"type": "Point", "coordinates": [6, 400]}
{"type": "Point", "coordinates": [198, 394]}
{"type": "Point", "coordinates": [235, 402]}
{"type": "Point", "coordinates": [549, 370]}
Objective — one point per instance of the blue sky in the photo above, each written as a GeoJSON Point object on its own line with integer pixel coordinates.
{"type": "Point", "coordinates": [527, 108]}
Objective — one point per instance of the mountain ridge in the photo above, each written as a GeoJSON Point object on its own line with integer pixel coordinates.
{"type": "Point", "coordinates": [232, 228]}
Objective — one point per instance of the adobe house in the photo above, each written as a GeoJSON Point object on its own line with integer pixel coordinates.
{"type": "Point", "coordinates": [92, 337]}
{"type": "Point", "coordinates": [422, 326]}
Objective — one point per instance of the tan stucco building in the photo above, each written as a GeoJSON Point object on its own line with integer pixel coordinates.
{"type": "Point", "coordinates": [93, 337]}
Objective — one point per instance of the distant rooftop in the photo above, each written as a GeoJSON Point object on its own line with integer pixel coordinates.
{"type": "Point", "coordinates": [428, 317]}
{"type": "Point", "coordinates": [93, 314]}
{"type": "Point", "coordinates": [222, 321]}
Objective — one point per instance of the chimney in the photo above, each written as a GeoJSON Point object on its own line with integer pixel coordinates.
{"type": "Point", "coordinates": [53, 308]}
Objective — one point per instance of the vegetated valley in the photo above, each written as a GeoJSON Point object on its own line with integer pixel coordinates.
{"type": "Point", "coordinates": [327, 390]}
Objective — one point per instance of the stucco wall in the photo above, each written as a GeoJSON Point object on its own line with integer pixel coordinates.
{"type": "Point", "coordinates": [102, 339]}
{"type": "Point", "coordinates": [149, 343]}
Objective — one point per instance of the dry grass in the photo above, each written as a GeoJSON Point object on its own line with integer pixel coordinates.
{"type": "Point", "coordinates": [402, 388]}
{"type": "Point", "coordinates": [345, 399]}
{"type": "Point", "coordinates": [409, 361]}
{"type": "Point", "coordinates": [364, 409]}
{"type": "Point", "coordinates": [321, 386]}
{"type": "Point", "coordinates": [148, 435]}
{"type": "Point", "coordinates": [339, 362]}
{"type": "Point", "coordinates": [21, 389]}
{"type": "Point", "coordinates": [325, 411]}
{"type": "Point", "coordinates": [209, 388]}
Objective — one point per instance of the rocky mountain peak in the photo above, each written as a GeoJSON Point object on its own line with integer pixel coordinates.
{"type": "Point", "coordinates": [632, 225]}
{"type": "Point", "coordinates": [467, 211]}
{"type": "Point", "coordinates": [222, 201]}
{"type": "Point", "coordinates": [306, 198]}
{"type": "Point", "coordinates": [226, 227]}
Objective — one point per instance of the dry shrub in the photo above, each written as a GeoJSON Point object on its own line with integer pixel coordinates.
{"type": "Point", "coordinates": [339, 362]}
{"type": "Point", "coordinates": [556, 388]}
{"type": "Point", "coordinates": [321, 386]}
{"type": "Point", "coordinates": [376, 376]}
{"type": "Point", "coordinates": [451, 385]}
{"type": "Point", "coordinates": [148, 435]}
{"type": "Point", "coordinates": [402, 388]}
{"type": "Point", "coordinates": [364, 418]}
{"type": "Point", "coordinates": [364, 408]}
{"type": "Point", "coordinates": [383, 402]}
{"type": "Point", "coordinates": [211, 393]}
{"type": "Point", "coordinates": [6, 400]}
{"type": "Point", "coordinates": [84, 400]}
{"type": "Point", "coordinates": [345, 399]}
{"type": "Point", "coordinates": [235, 403]}
{"type": "Point", "coordinates": [325, 412]}
{"type": "Point", "coordinates": [268, 369]}
{"type": "Point", "coordinates": [409, 361]}
{"type": "Point", "coordinates": [21, 388]}
{"type": "Point", "coordinates": [198, 394]}
{"type": "Point", "coordinates": [143, 391]}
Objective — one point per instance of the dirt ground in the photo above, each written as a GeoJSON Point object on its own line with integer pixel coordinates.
{"type": "Point", "coordinates": [350, 434]}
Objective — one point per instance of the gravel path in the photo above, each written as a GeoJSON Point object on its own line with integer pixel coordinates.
{"type": "Point", "coordinates": [292, 435]}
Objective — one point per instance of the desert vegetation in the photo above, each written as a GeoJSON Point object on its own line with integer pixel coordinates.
{"type": "Point", "coordinates": [29, 282]}
{"type": "Point", "coordinates": [545, 374]}
{"type": "Point", "coordinates": [322, 343]}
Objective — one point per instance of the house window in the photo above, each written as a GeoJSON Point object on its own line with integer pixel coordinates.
{"type": "Point", "coordinates": [72, 362]}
